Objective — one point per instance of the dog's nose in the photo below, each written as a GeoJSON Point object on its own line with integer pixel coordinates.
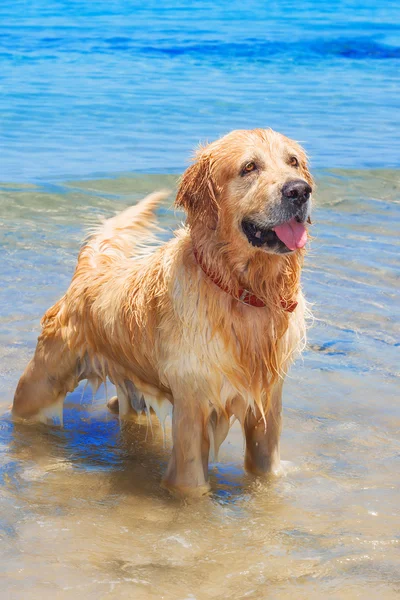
{"type": "Point", "coordinates": [297, 190]}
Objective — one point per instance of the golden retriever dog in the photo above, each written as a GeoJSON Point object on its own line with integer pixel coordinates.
{"type": "Point", "coordinates": [203, 326]}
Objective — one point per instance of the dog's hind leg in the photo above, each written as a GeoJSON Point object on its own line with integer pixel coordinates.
{"type": "Point", "coordinates": [127, 400]}
{"type": "Point", "coordinates": [218, 429]}
{"type": "Point", "coordinates": [48, 377]}
{"type": "Point", "coordinates": [120, 404]}
{"type": "Point", "coordinates": [262, 438]}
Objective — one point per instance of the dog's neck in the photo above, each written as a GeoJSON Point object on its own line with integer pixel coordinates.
{"type": "Point", "coordinates": [272, 280]}
{"type": "Point", "coordinates": [244, 295]}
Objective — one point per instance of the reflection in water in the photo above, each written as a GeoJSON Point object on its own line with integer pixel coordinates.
{"type": "Point", "coordinates": [81, 509]}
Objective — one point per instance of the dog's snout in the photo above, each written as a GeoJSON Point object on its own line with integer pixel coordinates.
{"type": "Point", "coordinates": [297, 191]}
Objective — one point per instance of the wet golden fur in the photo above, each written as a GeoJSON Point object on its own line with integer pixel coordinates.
{"type": "Point", "coordinates": [152, 317]}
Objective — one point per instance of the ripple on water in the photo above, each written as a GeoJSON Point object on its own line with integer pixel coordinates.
{"type": "Point", "coordinates": [82, 509]}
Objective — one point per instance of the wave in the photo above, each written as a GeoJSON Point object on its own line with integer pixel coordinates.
{"type": "Point", "coordinates": [359, 48]}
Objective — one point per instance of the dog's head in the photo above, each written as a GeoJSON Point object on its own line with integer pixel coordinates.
{"type": "Point", "coordinates": [250, 187]}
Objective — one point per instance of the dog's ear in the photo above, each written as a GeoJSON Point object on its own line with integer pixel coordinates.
{"type": "Point", "coordinates": [197, 193]}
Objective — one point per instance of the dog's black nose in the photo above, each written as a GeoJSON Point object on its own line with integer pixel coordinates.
{"type": "Point", "coordinates": [297, 190]}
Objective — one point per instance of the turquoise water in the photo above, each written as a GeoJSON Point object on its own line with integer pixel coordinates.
{"type": "Point", "coordinates": [103, 102]}
{"type": "Point", "coordinates": [81, 509]}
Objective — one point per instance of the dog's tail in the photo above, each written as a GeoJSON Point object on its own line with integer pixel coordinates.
{"type": "Point", "coordinates": [121, 235]}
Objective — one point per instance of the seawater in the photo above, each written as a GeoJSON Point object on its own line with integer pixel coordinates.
{"type": "Point", "coordinates": [104, 87]}
{"type": "Point", "coordinates": [81, 508]}
{"type": "Point", "coordinates": [102, 103]}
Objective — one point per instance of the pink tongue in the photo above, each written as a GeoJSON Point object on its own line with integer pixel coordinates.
{"type": "Point", "coordinates": [292, 234]}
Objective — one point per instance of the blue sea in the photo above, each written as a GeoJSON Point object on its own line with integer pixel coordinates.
{"type": "Point", "coordinates": [108, 87]}
{"type": "Point", "coordinates": [102, 102]}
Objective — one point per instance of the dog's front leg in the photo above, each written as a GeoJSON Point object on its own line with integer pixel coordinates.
{"type": "Point", "coordinates": [187, 471]}
{"type": "Point", "coordinates": [262, 439]}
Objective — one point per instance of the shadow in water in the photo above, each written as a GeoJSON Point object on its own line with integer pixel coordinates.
{"type": "Point", "coordinates": [131, 458]}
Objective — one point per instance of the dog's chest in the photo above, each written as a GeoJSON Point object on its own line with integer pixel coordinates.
{"type": "Point", "coordinates": [227, 356]}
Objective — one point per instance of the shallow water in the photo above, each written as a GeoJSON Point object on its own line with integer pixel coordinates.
{"type": "Point", "coordinates": [81, 509]}
{"type": "Point", "coordinates": [99, 88]}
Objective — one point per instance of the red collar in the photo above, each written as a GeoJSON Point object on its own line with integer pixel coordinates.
{"type": "Point", "coordinates": [244, 295]}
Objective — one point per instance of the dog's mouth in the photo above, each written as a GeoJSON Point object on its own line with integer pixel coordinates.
{"type": "Point", "coordinates": [286, 237]}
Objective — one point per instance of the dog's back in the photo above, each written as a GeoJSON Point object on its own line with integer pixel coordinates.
{"type": "Point", "coordinates": [85, 335]}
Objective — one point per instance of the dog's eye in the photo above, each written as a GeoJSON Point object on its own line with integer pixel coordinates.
{"type": "Point", "coordinates": [293, 162]}
{"type": "Point", "coordinates": [249, 167]}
